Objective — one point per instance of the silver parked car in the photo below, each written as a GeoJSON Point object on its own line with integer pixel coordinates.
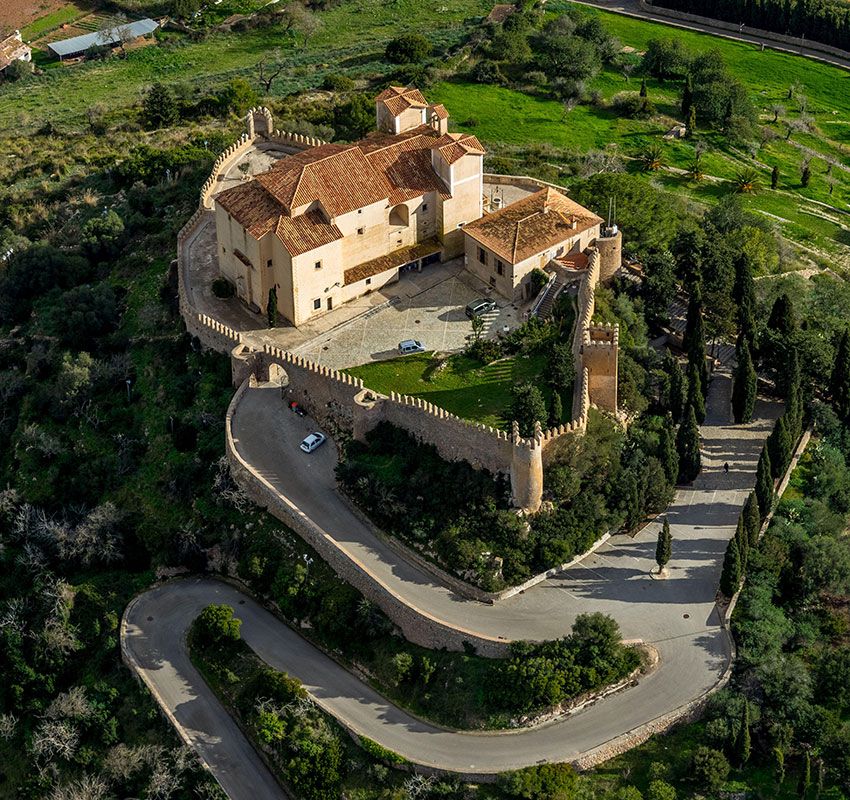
{"type": "Point", "coordinates": [313, 441]}
{"type": "Point", "coordinates": [410, 346]}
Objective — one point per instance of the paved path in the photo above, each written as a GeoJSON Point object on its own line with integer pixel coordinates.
{"type": "Point", "coordinates": [631, 8]}
{"type": "Point", "coordinates": [677, 615]}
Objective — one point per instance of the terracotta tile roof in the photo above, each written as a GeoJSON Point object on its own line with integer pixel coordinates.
{"type": "Point", "coordinates": [531, 225]}
{"type": "Point", "coordinates": [306, 232]}
{"type": "Point", "coordinates": [440, 111]}
{"type": "Point", "coordinates": [252, 207]}
{"type": "Point", "coordinates": [573, 261]}
{"type": "Point", "coordinates": [405, 162]}
{"type": "Point", "coordinates": [454, 146]}
{"type": "Point", "coordinates": [392, 260]}
{"type": "Point", "coordinates": [338, 176]}
{"type": "Point", "coordinates": [399, 98]}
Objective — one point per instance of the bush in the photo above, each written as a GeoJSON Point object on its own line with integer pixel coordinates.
{"type": "Point", "coordinates": [408, 49]}
{"type": "Point", "coordinates": [632, 105]}
{"type": "Point", "coordinates": [223, 288]}
{"type": "Point", "coordinates": [487, 72]}
{"type": "Point", "coordinates": [216, 627]}
{"type": "Point", "coordinates": [544, 782]}
{"type": "Point", "coordinates": [338, 83]}
{"type": "Point", "coordinates": [710, 768]}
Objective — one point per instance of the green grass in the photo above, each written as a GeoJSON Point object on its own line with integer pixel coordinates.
{"type": "Point", "coordinates": [51, 21]}
{"type": "Point", "coordinates": [463, 386]}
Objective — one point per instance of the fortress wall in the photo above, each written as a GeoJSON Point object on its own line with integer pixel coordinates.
{"type": "Point", "coordinates": [222, 164]}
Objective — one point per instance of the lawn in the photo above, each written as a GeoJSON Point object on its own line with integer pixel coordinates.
{"type": "Point", "coordinates": [462, 386]}
{"type": "Point", "coordinates": [55, 19]}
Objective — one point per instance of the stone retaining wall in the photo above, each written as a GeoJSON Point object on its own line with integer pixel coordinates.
{"type": "Point", "coordinates": [417, 625]}
{"type": "Point", "coordinates": [711, 22]}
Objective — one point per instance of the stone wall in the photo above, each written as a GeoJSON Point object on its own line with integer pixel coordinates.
{"type": "Point", "coordinates": [599, 357]}
{"type": "Point", "coordinates": [523, 181]}
{"type": "Point", "coordinates": [222, 164]}
{"type": "Point", "coordinates": [417, 625]}
{"type": "Point", "coordinates": [781, 38]}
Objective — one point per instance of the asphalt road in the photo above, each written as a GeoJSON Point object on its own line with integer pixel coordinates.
{"type": "Point", "coordinates": [677, 615]}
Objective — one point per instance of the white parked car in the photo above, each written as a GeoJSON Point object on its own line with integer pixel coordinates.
{"type": "Point", "coordinates": [410, 346]}
{"type": "Point", "coordinates": [313, 441]}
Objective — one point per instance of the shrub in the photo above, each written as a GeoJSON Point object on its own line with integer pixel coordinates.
{"type": "Point", "coordinates": [216, 626]}
{"type": "Point", "coordinates": [632, 105]}
{"type": "Point", "coordinates": [544, 782]}
{"type": "Point", "coordinates": [223, 288]}
{"type": "Point", "coordinates": [408, 49]}
{"type": "Point", "coordinates": [710, 768]}
{"type": "Point", "coordinates": [487, 72]}
{"type": "Point", "coordinates": [338, 83]}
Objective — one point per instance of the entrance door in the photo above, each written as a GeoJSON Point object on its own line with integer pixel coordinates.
{"type": "Point", "coordinates": [330, 303]}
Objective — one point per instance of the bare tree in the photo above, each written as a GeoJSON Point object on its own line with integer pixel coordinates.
{"type": "Point", "coordinates": [72, 704]}
{"type": "Point", "coordinates": [52, 739]}
{"type": "Point", "coordinates": [8, 725]}
{"type": "Point", "coordinates": [269, 68]}
{"type": "Point", "coordinates": [778, 111]}
{"type": "Point", "coordinates": [296, 18]}
{"type": "Point", "coordinates": [88, 787]}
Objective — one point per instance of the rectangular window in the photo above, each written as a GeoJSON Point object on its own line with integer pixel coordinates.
{"type": "Point", "coordinates": [368, 281]}
{"type": "Point", "coordinates": [482, 255]}
{"type": "Point", "coordinates": [269, 264]}
{"type": "Point", "coordinates": [424, 206]}
{"type": "Point", "coordinates": [317, 304]}
{"type": "Point", "coordinates": [500, 267]}
{"type": "Point", "coordinates": [461, 224]}
{"type": "Point", "coordinates": [492, 281]}
{"type": "Point", "coordinates": [359, 210]}
{"type": "Point", "coordinates": [360, 231]}
{"type": "Point", "coordinates": [318, 265]}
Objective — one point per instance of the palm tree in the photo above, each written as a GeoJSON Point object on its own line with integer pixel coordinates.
{"type": "Point", "coordinates": [653, 158]}
{"type": "Point", "coordinates": [746, 181]}
{"type": "Point", "coordinates": [695, 172]}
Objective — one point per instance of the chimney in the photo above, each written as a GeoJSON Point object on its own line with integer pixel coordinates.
{"type": "Point", "coordinates": [573, 223]}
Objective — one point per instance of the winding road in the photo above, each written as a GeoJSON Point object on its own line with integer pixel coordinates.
{"type": "Point", "coordinates": [676, 615]}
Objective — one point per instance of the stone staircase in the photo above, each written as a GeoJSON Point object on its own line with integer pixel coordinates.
{"type": "Point", "coordinates": [544, 308]}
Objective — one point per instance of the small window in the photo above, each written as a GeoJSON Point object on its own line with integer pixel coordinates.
{"type": "Point", "coordinates": [223, 249]}
{"type": "Point", "coordinates": [317, 304]}
{"type": "Point", "coordinates": [318, 265]}
{"type": "Point", "coordinates": [359, 210]}
{"type": "Point", "coordinates": [360, 231]}
{"type": "Point", "coordinates": [461, 224]}
{"type": "Point", "coordinates": [368, 281]}
{"type": "Point", "coordinates": [493, 281]}
{"type": "Point", "coordinates": [482, 255]}
{"type": "Point", "coordinates": [269, 264]}
{"type": "Point", "coordinates": [500, 267]}
{"type": "Point", "coordinates": [424, 206]}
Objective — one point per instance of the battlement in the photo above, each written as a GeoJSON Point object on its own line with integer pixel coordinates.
{"type": "Point", "coordinates": [298, 140]}
{"type": "Point", "coordinates": [284, 357]}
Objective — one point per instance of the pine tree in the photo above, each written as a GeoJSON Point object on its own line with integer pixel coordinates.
{"type": "Point", "coordinates": [743, 543]}
{"type": "Point", "coordinates": [743, 745]}
{"type": "Point", "coordinates": [745, 387]}
{"type": "Point", "coordinates": [643, 92]}
{"type": "Point", "coordinates": [840, 381]}
{"type": "Point", "coordinates": [779, 447]}
{"type": "Point", "coordinates": [664, 546]}
{"type": "Point", "coordinates": [730, 578]}
{"type": "Point", "coordinates": [687, 97]}
{"type": "Point", "coordinates": [556, 411]}
{"type": "Point", "coordinates": [764, 483]}
{"type": "Point", "coordinates": [752, 519]}
{"type": "Point", "coordinates": [668, 453]}
{"type": "Point", "coordinates": [271, 309]}
{"type": "Point", "coordinates": [678, 388]}
{"type": "Point", "coordinates": [688, 447]}
{"type": "Point", "coordinates": [774, 178]}
{"type": "Point", "coordinates": [696, 397]}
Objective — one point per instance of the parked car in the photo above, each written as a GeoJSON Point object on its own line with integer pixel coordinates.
{"type": "Point", "coordinates": [478, 307]}
{"type": "Point", "coordinates": [410, 346]}
{"type": "Point", "coordinates": [313, 441]}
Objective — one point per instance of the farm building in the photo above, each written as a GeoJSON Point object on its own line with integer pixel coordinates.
{"type": "Point", "coordinates": [109, 37]}
{"type": "Point", "coordinates": [12, 48]}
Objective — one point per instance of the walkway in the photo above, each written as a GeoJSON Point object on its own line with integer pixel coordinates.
{"type": "Point", "coordinates": [677, 615]}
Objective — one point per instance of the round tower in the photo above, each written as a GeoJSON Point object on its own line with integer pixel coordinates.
{"type": "Point", "coordinates": [610, 246]}
{"type": "Point", "coordinates": [527, 470]}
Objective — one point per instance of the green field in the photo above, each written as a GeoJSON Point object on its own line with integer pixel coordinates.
{"type": "Point", "coordinates": [508, 121]}
{"type": "Point", "coordinates": [462, 386]}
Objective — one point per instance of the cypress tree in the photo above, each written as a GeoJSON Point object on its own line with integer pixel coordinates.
{"type": "Point", "coordinates": [687, 445]}
{"type": "Point", "coordinates": [840, 381]}
{"type": "Point", "coordinates": [806, 176]}
{"type": "Point", "coordinates": [730, 578]}
{"type": "Point", "coordinates": [743, 543]}
{"type": "Point", "coordinates": [744, 293]}
{"type": "Point", "coordinates": [743, 746]}
{"type": "Point", "coordinates": [678, 388]}
{"type": "Point", "coordinates": [691, 127]}
{"type": "Point", "coordinates": [643, 92]}
{"type": "Point", "coordinates": [806, 775]}
{"type": "Point", "coordinates": [779, 765]}
{"type": "Point", "coordinates": [694, 338]}
{"type": "Point", "coordinates": [696, 398]}
{"type": "Point", "coordinates": [687, 98]}
{"type": "Point", "coordinates": [764, 483]}
{"type": "Point", "coordinates": [664, 546]}
{"type": "Point", "coordinates": [669, 454]}
{"type": "Point", "coordinates": [783, 318]}
{"type": "Point", "coordinates": [745, 386]}
{"type": "Point", "coordinates": [779, 447]}
{"type": "Point", "coordinates": [556, 412]}
{"type": "Point", "coordinates": [271, 309]}
{"type": "Point", "coordinates": [774, 178]}
{"type": "Point", "coordinates": [752, 519]}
